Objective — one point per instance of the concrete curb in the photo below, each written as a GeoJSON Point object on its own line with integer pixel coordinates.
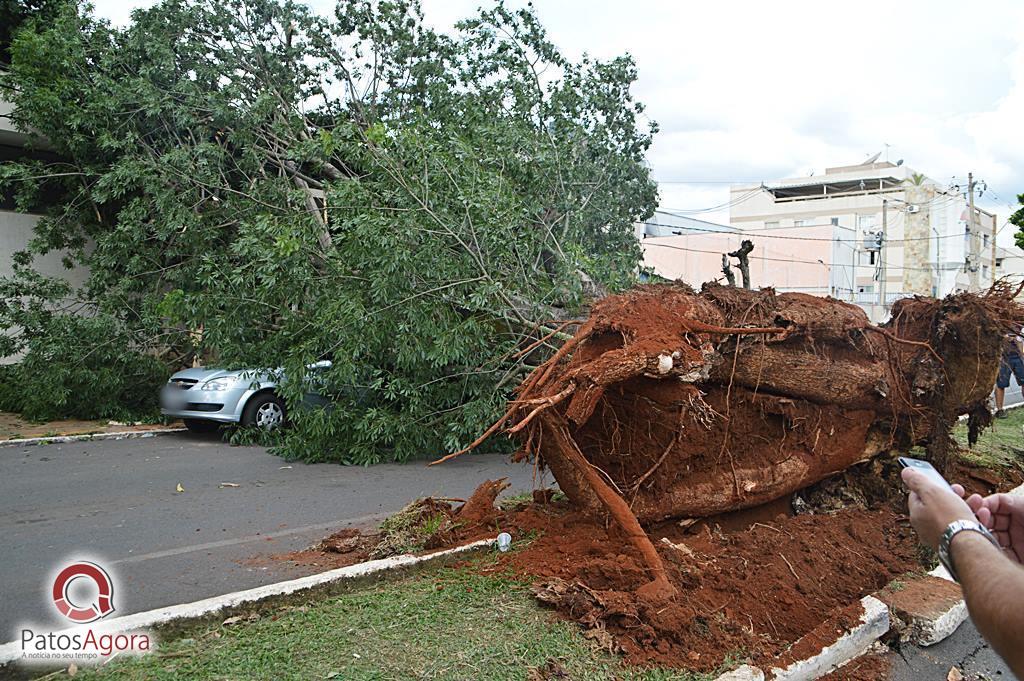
{"type": "Point", "coordinates": [874, 623]}
{"type": "Point", "coordinates": [11, 652]}
{"type": "Point", "coordinates": [116, 435]}
{"type": "Point", "coordinates": [925, 610]}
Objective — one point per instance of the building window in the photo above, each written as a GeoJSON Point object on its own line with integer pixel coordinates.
{"type": "Point", "coordinates": [771, 225]}
{"type": "Point", "coordinates": [834, 221]}
{"type": "Point", "coordinates": [865, 257]}
{"type": "Point", "coordinates": [799, 223]}
{"type": "Point", "coordinates": [866, 223]}
{"type": "Point", "coordinates": [984, 271]}
{"type": "Point", "coordinates": [984, 240]}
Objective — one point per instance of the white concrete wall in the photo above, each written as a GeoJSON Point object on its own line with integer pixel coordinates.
{"type": "Point", "coordinates": [16, 230]}
{"type": "Point", "coordinates": [15, 234]}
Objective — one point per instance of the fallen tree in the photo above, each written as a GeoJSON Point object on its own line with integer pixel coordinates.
{"type": "Point", "coordinates": [670, 403]}
{"type": "Point", "coordinates": [255, 184]}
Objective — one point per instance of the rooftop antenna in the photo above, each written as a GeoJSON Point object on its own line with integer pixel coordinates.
{"type": "Point", "coordinates": [887, 145]}
{"type": "Point", "coordinates": [872, 159]}
{"type": "Point", "coordinates": [899, 163]}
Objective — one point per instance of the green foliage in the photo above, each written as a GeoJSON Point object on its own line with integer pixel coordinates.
{"type": "Point", "coordinates": [1017, 219]}
{"type": "Point", "coordinates": [15, 13]}
{"type": "Point", "coordinates": [81, 367]}
{"type": "Point", "coordinates": [265, 187]}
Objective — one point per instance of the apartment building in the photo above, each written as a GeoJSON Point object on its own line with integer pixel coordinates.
{"type": "Point", "coordinates": [898, 232]}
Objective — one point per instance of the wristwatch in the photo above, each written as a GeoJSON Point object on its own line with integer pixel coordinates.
{"type": "Point", "coordinates": [953, 529]}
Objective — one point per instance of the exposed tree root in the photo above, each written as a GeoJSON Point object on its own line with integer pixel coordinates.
{"type": "Point", "coordinates": [671, 403]}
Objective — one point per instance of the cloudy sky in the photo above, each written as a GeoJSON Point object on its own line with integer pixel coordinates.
{"type": "Point", "coordinates": [756, 91]}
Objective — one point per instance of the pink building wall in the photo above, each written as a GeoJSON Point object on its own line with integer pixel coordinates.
{"type": "Point", "coordinates": [802, 261]}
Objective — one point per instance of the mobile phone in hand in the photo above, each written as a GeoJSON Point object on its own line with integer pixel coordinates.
{"type": "Point", "coordinates": [926, 468]}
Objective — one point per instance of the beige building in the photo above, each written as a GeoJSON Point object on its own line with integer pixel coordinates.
{"type": "Point", "coordinates": [905, 233]}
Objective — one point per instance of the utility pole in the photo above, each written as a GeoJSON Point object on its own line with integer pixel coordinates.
{"type": "Point", "coordinates": [881, 254]}
{"type": "Point", "coordinates": [993, 270]}
{"type": "Point", "coordinates": [974, 257]}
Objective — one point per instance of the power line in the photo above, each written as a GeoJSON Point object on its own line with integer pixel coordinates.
{"type": "Point", "coordinates": [709, 181]}
{"type": "Point", "coordinates": [758, 233]}
{"type": "Point", "coordinates": [728, 204]}
{"type": "Point", "coordinates": [789, 260]}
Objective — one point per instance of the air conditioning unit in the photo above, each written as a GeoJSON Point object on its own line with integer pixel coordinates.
{"type": "Point", "coordinates": [913, 208]}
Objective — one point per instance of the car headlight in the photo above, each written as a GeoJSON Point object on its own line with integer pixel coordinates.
{"type": "Point", "coordinates": [222, 383]}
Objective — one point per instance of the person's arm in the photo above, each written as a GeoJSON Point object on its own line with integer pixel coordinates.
{"type": "Point", "coordinates": [993, 585]}
{"type": "Point", "coordinates": [994, 590]}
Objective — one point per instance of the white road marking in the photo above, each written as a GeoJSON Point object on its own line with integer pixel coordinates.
{"type": "Point", "coordinates": [250, 538]}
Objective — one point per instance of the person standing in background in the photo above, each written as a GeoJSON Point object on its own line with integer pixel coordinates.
{"type": "Point", "coordinates": [1012, 361]}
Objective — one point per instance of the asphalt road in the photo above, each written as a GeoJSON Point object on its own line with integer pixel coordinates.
{"type": "Point", "coordinates": [114, 501]}
{"type": "Point", "coordinates": [965, 650]}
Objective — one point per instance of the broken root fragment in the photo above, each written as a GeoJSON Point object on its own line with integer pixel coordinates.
{"type": "Point", "coordinates": [480, 509]}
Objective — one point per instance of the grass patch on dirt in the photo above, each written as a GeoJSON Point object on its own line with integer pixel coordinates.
{"type": "Point", "coordinates": [1000, 446]}
{"type": "Point", "coordinates": [446, 624]}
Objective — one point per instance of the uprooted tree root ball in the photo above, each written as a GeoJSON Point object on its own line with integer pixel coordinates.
{"type": "Point", "coordinates": [668, 403]}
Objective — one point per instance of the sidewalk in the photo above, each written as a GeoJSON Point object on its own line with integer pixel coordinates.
{"type": "Point", "coordinates": [13, 427]}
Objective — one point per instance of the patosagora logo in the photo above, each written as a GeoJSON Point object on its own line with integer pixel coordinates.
{"type": "Point", "coordinates": [83, 593]}
{"type": "Point", "coordinates": [83, 613]}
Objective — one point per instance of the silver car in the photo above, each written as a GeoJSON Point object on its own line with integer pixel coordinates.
{"type": "Point", "coordinates": [206, 398]}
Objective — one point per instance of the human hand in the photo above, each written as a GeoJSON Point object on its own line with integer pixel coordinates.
{"type": "Point", "coordinates": [1003, 514]}
{"type": "Point", "coordinates": [933, 507]}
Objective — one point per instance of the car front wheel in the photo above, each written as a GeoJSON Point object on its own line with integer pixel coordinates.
{"type": "Point", "coordinates": [264, 411]}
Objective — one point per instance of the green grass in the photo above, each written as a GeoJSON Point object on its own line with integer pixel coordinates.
{"type": "Point", "coordinates": [446, 624]}
{"type": "Point", "coordinates": [999, 446]}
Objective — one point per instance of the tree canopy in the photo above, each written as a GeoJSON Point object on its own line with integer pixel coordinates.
{"type": "Point", "coordinates": [259, 185]}
{"type": "Point", "coordinates": [1017, 219]}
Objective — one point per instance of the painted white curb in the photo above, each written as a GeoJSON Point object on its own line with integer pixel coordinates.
{"type": "Point", "coordinates": [10, 652]}
{"type": "Point", "coordinates": [874, 622]}
{"type": "Point", "coordinates": [117, 435]}
{"type": "Point", "coordinates": [929, 633]}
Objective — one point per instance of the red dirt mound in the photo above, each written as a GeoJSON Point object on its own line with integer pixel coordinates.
{"type": "Point", "coordinates": [757, 590]}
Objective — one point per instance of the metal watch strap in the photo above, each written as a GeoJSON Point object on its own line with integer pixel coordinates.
{"type": "Point", "coordinates": [953, 529]}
